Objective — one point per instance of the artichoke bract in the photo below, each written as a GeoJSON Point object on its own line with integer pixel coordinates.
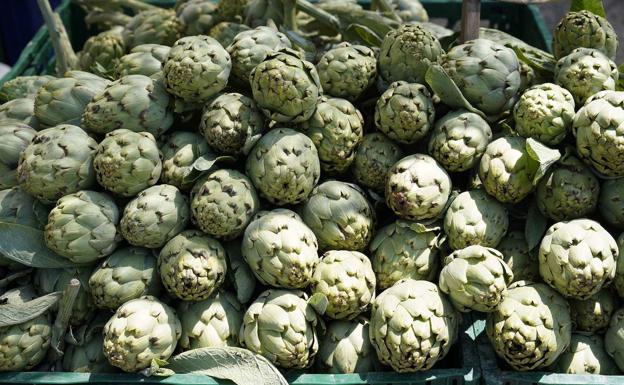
{"type": "Point", "coordinates": [405, 112]}
{"type": "Point", "coordinates": [486, 72]}
{"type": "Point", "coordinates": [516, 254]}
{"type": "Point", "coordinates": [584, 72]}
{"type": "Point", "coordinates": [153, 26]}
{"type": "Point", "coordinates": [413, 325]}
{"type": "Point", "coordinates": [506, 170]}
{"type": "Point", "coordinates": [459, 139]}
{"type": "Point", "coordinates": [144, 59]}
{"type": "Point", "coordinates": [340, 216]}
{"type": "Point", "coordinates": [280, 249]}
{"type": "Point", "coordinates": [586, 355]}
{"type": "Point", "coordinates": [475, 218]}
{"type": "Point", "coordinates": [593, 314]}
{"type": "Point", "coordinates": [127, 274]}
{"type": "Point", "coordinates": [614, 341]}
{"type": "Point", "coordinates": [611, 203]}
{"type": "Point", "coordinates": [531, 326]}
{"type": "Point", "coordinates": [406, 54]}
{"type": "Point", "coordinates": [134, 102]}
{"type": "Point", "coordinates": [58, 161]}
{"type": "Point", "coordinates": [23, 87]}
{"type": "Point", "coordinates": [599, 139]}
{"type": "Point", "coordinates": [127, 162]}
{"type": "Point", "coordinates": [569, 190]}
{"type": "Point", "coordinates": [19, 111]}
{"type": "Point", "coordinates": [545, 112]}
{"type": "Point", "coordinates": [584, 29]}
{"type": "Point", "coordinates": [281, 326]}
{"type": "Point", "coordinates": [196, 69]}
{"type": "Point", "coordinates": [578, 258]}
{"type": "Point", "coordinates": [180, 150]}
{"type": "Point", "coordinates": [192, 265]}
{"type": "Point", "coordinates": [373, 158]}
{"type": "Point", "coordinates": [417, 188]}
{"type": "Point", "coordinates": [346, 348]}
{"type": "Point", "coordinates": [101, 52]}
{"type": "Point", "coordinates": [232, 123]}
{"type": "Point", "coordinates": [224, 203]}
{"type": "Point", "coordinates": [155, 216]}
{"type": "Point", "coordinates": [403, 250]}
{"type": "Point", "coordinates": [286, 87]}
{"type": "Point", "coordinates": [83, 226]}
{"type": "Point", "coordinates": [336, 129]}
{"type": "Point", "coordinates": [347, 70]}
{"type": "Point", "coordinates": [14, 138]}
{"type": "Point", "coordinates": [141, 330]}
{"type": "Point", "coordinates": [284, 166]}
{"type": "Point", "coordinates": [347, 279]}
{"type": "Point", "coordinates": [475, 278]}
{"type": "Point", "coordinates": [212, 323]}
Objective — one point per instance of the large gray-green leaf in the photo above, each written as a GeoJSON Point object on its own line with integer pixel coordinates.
{"type": "Point", "coordinates": [17, 313]}
{"type": "Point", "coordinates": [25, 245]}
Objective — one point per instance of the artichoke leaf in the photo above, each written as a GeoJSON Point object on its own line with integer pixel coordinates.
{"type": "Point", "coordinates": [358, 33]}
{"type": "Point", "coordinates": [446, 89]}
{"type": "Point", "coordinates": [18, 312]}
{"type": "Point", "coordinates": [536, 226]}
{"type": "Point", "coordinates": [319, 302]}
{"type": "Point", "coordinates": [594, 6]}
{"type": "Point", "coordinates": [543, 157]}
{"type": "Point", "coordinates": [25, 245]}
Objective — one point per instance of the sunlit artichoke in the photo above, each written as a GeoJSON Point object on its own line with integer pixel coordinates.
{"type": "Point", "coordinates": [357, 63]}
{"type": "Point", "coordinates": [144, 59]}
{"type": "Point", "coordinates": [180, 150]}
{"type": "Point", "coordinates": [22, 87]}
{"type": "Point", "coordinates": [611, 202]}
{"type": "Point", "coordinates": [19, 111]}
{"type": "Point", "coordinates": [284, 166]}
{"type": "Point", "coordinates": [196, 16]}
{"type": "Point", "coordinates": [155, 216]}
{"type": "Point", "coordinates": [593, 314]}
{"type": "Point", "coordinates": [127, 162]}
{"type": "Point", "coordinates": [614, 340]}
{"type": "Point", "coordinates": [101, 52]}
{"type": "Point", "coordinates": [280, 325]}
{"type": "Point", "coordinates": [225, 32]}
{"type": "Point", "coordinates": [153, 26]}
{"type": "Point", "coordinates": [586, 355]}
{"type": "Point", "coordinates": [531, 327]}
{"type": "Point", "coordinates": [584, 29]}
{"type": "Point", "coordinates": [516, 254]}
{"type": "Point", "coordinates": [459, 139]}
{"type": "Point", "coordinates": [346, 348]}
{"type": "Point", "coordinates": [14, 138]}
{"type": "Point", "coordinates": [578, 258]}
{"type": "Point", "coordinates": [417, 188]}
{"type": "Point", "coordinates": [373, 158]}
{"type": "Point", "coordinates": [58, 161]}
{"type": "Point", "coordinates": [280, 249]}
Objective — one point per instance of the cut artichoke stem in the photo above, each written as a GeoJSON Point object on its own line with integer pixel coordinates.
{"type": "Point", "coordinates": [66, 58]}
{"type": "Point", "coordinates": [471, 20]}
{"type": "Point", "coordinates": [61, 323]}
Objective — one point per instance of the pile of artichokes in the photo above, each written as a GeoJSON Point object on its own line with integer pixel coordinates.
{"type": "Point", "coordinates": [266, 177]}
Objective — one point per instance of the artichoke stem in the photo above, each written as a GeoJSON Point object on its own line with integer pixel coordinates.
{"type": "Point", "coordinates": [65, 310]}
{"type": "Point", "coordinates": [66, 58]}
{"type": "Point", "coordinates": [471, 20]}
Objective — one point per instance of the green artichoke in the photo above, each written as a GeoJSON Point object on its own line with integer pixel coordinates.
{"type": "Point", "coordinates": [406, 54]}
{"type": "Point", "coordinates": [506, 169]}
{"type": "Point", "coordinates": [584, 72]}
{"type": "Point", "coordinates": [141, 330]}
{"type": "Point", "coordinates": [22, 87]}
{"type": "Point", "coordinates": [63, 100]}
{"type": "Point", "coordinates": [413, 326]}
{"type": "Point", "coordinates": [127, 162]}
{"type": "Point", "coordinates": [586, 355]}
{"type": "Point", "coordinates": [336, 129]}
{"type": "Point", "coordinates": [458, 140]}
{"type": "Point", "coordinates": [192, 265]}
{"type": "Point", "coordinates": [144, 59]}
{"type": "Point", "coordinates": [405, 112]}
{"type": "Point", "coordinates": [347, 70]}
{"type": "Point", "coordinates": [340, 216]}
{"type": "Point", "coordinates": [417, 188]}
{"type": "Point", "coordinates": [232, 123]}
{"type": "Point", "coordinates": [100, 53]}
{"type": "Point", "coordinates": [83, 226]}
{"type": "Point", "coordinates": [347, 279]}
{"type": "Point", "coordinates": [196, 69]}
{"type": "Point", "coordinates": [231, 9]}
{"type": "Point", "coordinates": [153, 26]}
{"type": "Point", "coordinates": [58, 161]}
{"type": "Point", "coordinates": [346, 348]}
{"type": "Point", "coordinates": [14, 138]}
{"type": "Point", "coordinates": [544, 112]}
{"type": "Point", "coordinates": [280, 249]}
{"type": "Point", "coordinates": [197, 16]}
{"type": "Point", "coordinates": [134, 102]}
{"type": "Point", "coordinates": [127, 274]}
{"type": "Point", "coordinates": [285, 86]}
{"type": "Point", "coordinates": [578, 258]}
{"type": "Point", "coordinates": [19, 111]}
{"type": "Point", "coordinates": [569, 190]}
{"type": "Point", "coordinates": [599, 137]}
{"type": "Point", "coordinates": [284, 166]}
{"type": "Point", "coordinates": [180, 150]}
{"type": "Point", "coordinates": [281, 326]}
{"type": "Point", "coordinates": [405, 250]}
{"type": "Point", "coordinates": [475, 278]}
{"type": "Point", "coordinates": [212, 323]}
{"type": "Point", "coordinates": [373, 158]}
{"type": "Point", "coordinates": [475, 218]}
{"type": "Point", "coordinates": [584, 29]}
{"type": "Point", "coordinates": [516, 254]}
{"type": "Point", "coordinates": [410, 10]}
{"type": "Point", "coordinates": [224, 203]}
{"type": "Point", "coordinates": [531, 326]}
{"type": "Point", "coordinates": [614, 341]}
{"type": "Point", "coordinates": [86, 354]}
{"type": "Point", "coordinates": [155, 216]}
{"type": "Point", "coordinates": [593, 314]}
{"type": "Point", "coordinates": [225, 32]}
{"type": "Point", "coordinates": [611, 203]}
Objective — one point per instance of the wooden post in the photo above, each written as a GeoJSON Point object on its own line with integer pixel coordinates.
{"type": "Point", "coordinates": [471, 20]}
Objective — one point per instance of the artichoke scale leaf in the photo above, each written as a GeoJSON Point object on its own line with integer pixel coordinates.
{"type": "Point", "coordinates": [25, 245]}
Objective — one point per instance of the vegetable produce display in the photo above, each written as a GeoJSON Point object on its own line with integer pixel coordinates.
{"type": "Point", "coordinates": [270, 180]}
